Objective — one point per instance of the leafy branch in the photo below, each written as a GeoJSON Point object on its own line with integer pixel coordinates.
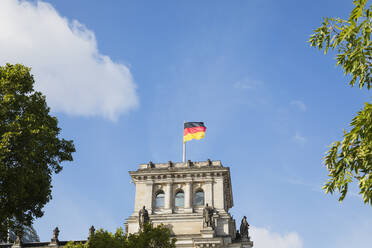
{"type": "Point", "coordinates": [352, 157]}
{"type": "Point", "coordinates": [352, 40]}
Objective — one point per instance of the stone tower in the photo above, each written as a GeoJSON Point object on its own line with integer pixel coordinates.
{"type": "Point", "coordinates": [177, 194]}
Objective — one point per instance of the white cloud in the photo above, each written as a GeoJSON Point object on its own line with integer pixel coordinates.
{"type": "Point", "coordinates": [299, 104]}
{"type": "Point", "coordinates": [317, 187]}
{"type": "Point", "coordinates": [299, 138]}
{"type": "Point", "coordinates": [246, 84]}
{"type": "Point", "coordinates": [68, 68]}
{"type": "Point", "coordinates": [264, 238]}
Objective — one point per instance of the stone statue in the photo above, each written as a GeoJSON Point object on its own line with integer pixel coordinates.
{"type": "Point", "coordinates": [209, 162]}
{"type": "Point", "coordinates": [92, 230]}
{"type": "Point", "coordinates": [143, 217]}
{"type": "Point", "coordinates": [207, 215]}
{"type": "Point", "coordinates": [244, 228]}
{"type": "Point", "coordinates": [18, 240]}
{"type": "Point", "coordinates": [151, 164]}
{"type": "Point", "coordinates": [238, 237]}
{"type": "Point", "coordinates": [55, 235]}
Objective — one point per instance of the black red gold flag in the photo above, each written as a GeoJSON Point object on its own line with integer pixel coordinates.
{"type": "Point", "coordinates": [193, 130]}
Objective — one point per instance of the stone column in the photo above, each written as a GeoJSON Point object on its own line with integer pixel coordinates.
{"type": "Point", "coordinates": [149, 196]}
{"type": "Point", "coordinates": [168, 204]}
{"type": "Point", "coordinates": [140, 199]}
{"type": "Point", "coordinates": [219, 194]}
{"type": "Point", "coordinates": [188, 198]}
{"type": "Point", "coordinates": [209, 192]}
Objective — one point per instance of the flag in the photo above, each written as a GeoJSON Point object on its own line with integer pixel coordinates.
{"type": "Point", "coordinates": [193, 130]}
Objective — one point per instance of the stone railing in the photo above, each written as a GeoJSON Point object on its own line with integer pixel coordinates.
{"type": "Point", "coordinates": [54, 242]}
{"type": "Point", "coordinates": [171, 164]}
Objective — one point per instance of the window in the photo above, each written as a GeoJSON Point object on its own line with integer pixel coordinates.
{"type": "Point", "coordinates": [159, 199]}
{"type": "Point", "coordinates": [199, 198]}
{"type": "Point", "coordinates": [179, 199]}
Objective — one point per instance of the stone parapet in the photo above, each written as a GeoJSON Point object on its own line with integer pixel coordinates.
{"type": "Point", "coordinates": [39, 244]}
{"type": "Point", "coordinates": [180, 165]}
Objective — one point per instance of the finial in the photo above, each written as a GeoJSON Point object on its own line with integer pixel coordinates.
{"type": "Point", "coordinates": [18, 240]}
{"type": "Point", "coordinates": [55, 235]}
{"type": "Point", "coordinates": [92, 230]}
{"type": "Point", "coordinates": [170, 164]}
{"type": "Point", "coordinates": [209, 162]}
{"type": "Point", "coordinates": [189, 163]}
{"type": "Point", "coordinates": [151, 164]}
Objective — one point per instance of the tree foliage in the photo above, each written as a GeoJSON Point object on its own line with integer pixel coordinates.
{"type": "Point", "coordinates": [149, 237]}
{"type": "Point", "coordinates": [30, 150]}
{"type": "Point", "coordinates": [351, 158]}
{"type": "Point", "coordinates": [352, 40]}
{"type": "Point", "coordinates": [102, 239]}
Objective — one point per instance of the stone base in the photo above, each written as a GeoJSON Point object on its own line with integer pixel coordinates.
{"type": "Point", "coordinates": [207, 232]}
{"type": "Point", "coordinates": [188, 210]}
{"type": "Point", "coordinates": [208, 243]}
{"type": "Point", "coordinates": [247, 244]}
{"type": "Point", "coordinates": [167, 211]}
{"type": "Point", "coordinates": [53, 244]}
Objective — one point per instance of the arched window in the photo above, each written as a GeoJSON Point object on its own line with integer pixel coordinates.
{"type": "Point", "coordinates": [159, 199]}
{"type": "Point", "coordinates": [199, 198]}
{"type": "Point", "coordinates": [179, 199]}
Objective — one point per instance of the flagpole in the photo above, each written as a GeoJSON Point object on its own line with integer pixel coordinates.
{"type": "Point", "coordinates": [184, 147]}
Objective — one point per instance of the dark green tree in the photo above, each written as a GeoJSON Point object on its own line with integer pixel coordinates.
{"type": "Point", "coordinates": [102, 239]}
{"type": "Point", "coordinates": [152, 237]}
{"type": "Point", "coordinates": [30, 150]}
{"type": "Point", "coordinates": [351, 158]}
{"type": "Point", "coordinates": [149, 237]}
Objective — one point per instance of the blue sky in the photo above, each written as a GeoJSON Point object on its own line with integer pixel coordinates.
{"type": "Point", "coordinates": [122, 76]}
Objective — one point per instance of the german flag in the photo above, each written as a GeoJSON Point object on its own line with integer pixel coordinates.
{"type": "Point", "coordinates": [193, 130]}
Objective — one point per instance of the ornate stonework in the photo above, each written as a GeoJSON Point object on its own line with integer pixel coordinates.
{"type": "Point", "coordinates": [175, 195]}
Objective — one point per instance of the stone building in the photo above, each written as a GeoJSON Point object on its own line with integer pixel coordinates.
{"type": "Point", "coordinates": [192, 199]}
{"type": "Point", "coordinates": [176, 195]}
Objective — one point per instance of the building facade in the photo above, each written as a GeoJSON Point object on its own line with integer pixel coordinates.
{"type": "Point", "coordinates": [177, 196]}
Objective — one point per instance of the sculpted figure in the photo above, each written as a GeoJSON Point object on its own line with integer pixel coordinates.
{"type": "Point", "coordinates": [238, 237]}
{"type": "Point", "coordinates": [18, 240]}
{"type": "Point", "coordinates": [55, 235]}
{"type": "Point", "coordinates": [244, 228]}
{"type": "Point", "coordinates": [92, 230]}
{"type": "Point", "coordinates": [207, 215]}
{"type": "Point", "coordinates": [143, 217]}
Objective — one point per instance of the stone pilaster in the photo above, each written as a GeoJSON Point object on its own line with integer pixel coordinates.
{"type": "Point", "coordinates": [209, 192]}
{"type": "Point", "coordinates": [188, 198]}
{"type": "Point", "coordinates": [149, 196]}
{"type": "Point", "coordinates": [218, 193]}
{"type": "Point", "coordinates": [168, 204]}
